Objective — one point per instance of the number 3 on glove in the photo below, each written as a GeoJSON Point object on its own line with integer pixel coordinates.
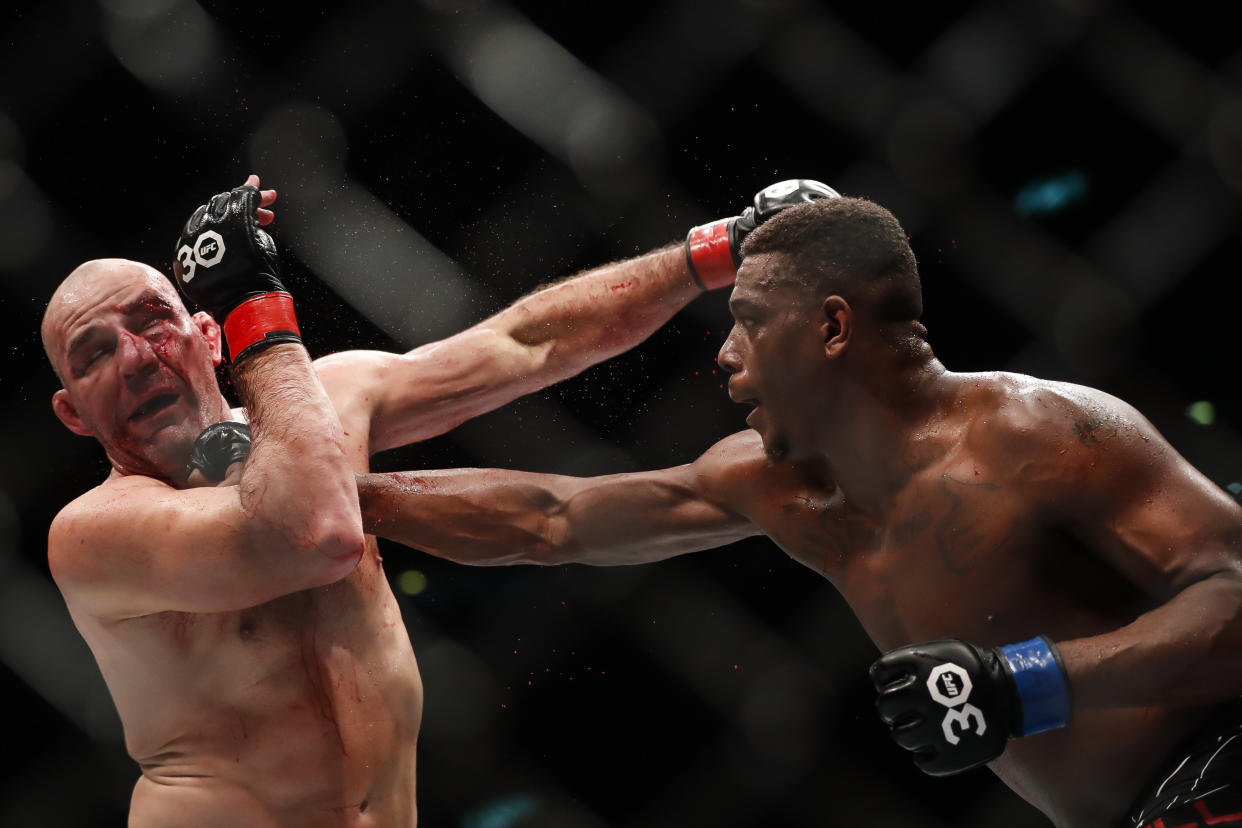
{"type": "Point", "coordinates": [954, 705]}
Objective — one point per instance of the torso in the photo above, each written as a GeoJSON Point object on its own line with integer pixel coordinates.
{"type": "Point", "coordinates": [959, 556]}
{"type": "Point", "coordinates": [303, 711]}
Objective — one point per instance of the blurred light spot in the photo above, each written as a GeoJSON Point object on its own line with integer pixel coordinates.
{"type": "Point", "coordinates": [614, 148]}
{"type": "Point", "coordinates": [502, 813]}
{"type": "Point", "coordinates": [780, 722]}
{"type": "Point", "coordinates": [1202, 412]}
{"type": "Point", "coordinates": [167, 45]}
{"type": "Point", "coordinates": [11, 145]}
{"type": "Point", "coordinates": [10, 528]}
{"type": "Point", "coordinates": [1224, 141]}
{"type": "Point", "coordinates": [137, 9]}
{"type": "Point", "coordinates": [300, 147]}
{"type": "Point", "coordinates": [532, 82]}
{"type": "Point", "coordinates": [1234, 489]}
{"type": "Point", "coordinates": [1093, 328]}
{"type": "Point", "coordinates": [412, 582]}
{"type": "Point", "coordinates": [25, 220]}
{"type": "Point", "coordinates": [931, 147]}
{"type": "Point", "coordinates": [1049, 195]}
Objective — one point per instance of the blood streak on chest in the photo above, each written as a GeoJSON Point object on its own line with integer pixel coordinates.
{"type": "Point", "coordinates": [178, 626]}
{"type": "Point", "coordinates": [319, 680]}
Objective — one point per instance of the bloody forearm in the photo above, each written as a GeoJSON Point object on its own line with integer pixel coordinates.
{"type": "Point", "coordinates": [295, 429]}
{"type": "Point", "coordinates": [602, 312]}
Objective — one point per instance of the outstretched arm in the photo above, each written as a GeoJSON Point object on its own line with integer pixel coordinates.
{"type": "Point", "coordinates": [490, 516]}
{"type": "Point", "coordinates": [552, 334]}
{"type": "Point", "coordinates": [549, 335]}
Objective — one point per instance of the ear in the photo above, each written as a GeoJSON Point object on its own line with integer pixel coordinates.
{"type": "Point", "coordinates": [210, 330]}
{"type": "Point", "coordinates": [67, 413]}
{"type": "Point", "coordinates": [836, 325]}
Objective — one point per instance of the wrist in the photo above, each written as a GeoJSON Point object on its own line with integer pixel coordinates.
{"type": "Point", "coordinates": [260, 322]}
{"type": "Point", "coordinates": [1038, 680]}
{"type": "Point", "coordinates": [709, 255]}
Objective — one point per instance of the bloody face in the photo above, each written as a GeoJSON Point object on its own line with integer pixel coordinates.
{"type": "Point", "coordinates": [137, 368]}
{"type": "Point", "coordinates": [775, 355]}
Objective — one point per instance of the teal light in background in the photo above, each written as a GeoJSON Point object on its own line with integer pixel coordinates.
{"type": "Point", "coordinates": [501, 813]}
{"type": "Point", "coordinates": [1048, 195]}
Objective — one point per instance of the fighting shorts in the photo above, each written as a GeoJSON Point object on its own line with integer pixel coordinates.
{"type": "Point", "coordinates": [1201, 785]}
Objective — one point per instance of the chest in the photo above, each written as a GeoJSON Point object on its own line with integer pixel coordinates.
{"type": "Point", "coordinates": [956, 556]}
{"type": "Point", "coordinates": [301, 625]}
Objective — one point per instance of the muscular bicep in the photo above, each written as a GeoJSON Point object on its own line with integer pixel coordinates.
{"type": "Point", "coordinates": [137, 546]}
{"type": "Point", "coordinates": [644, 516]}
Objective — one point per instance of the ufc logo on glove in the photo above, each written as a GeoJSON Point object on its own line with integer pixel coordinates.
{"type": "Point", "coordinates": [950, 685]}
{"type": "Point", "coordinates": [1020, 688]}
{"type": "Point", "coordinates": [207, 251]}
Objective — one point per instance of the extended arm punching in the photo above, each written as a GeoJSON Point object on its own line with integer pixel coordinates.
{"type": "Point", "coordinates": [549, 335]}
{"type": "Point", "coordinates": [490, 516]}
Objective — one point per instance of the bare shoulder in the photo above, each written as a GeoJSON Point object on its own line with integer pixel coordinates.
{"type": "Point", "coordinates": [1047, 410]}
{"type": "Point", "coordinates": [1043, 431]}
{"type": "Point", "coordinates": [350, 371]}
{"type": "Point", "coordinates": [84, 525]}
{"type": "Point", "coordinates": [737, 473]}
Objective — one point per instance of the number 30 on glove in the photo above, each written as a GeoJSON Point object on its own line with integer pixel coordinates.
{"type": "Point", "coordinates": [954, 705]}
{"type": "Point", "coordinates": [227, 265]}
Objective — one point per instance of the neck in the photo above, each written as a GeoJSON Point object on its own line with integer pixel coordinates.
{"type": "Point", "coordinates": [174, 471]}
{"type": "Point", "coordinates": [877, 440]}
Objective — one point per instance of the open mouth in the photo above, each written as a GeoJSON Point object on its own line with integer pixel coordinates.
{"type": "Point", "coordinates": [154, 405]}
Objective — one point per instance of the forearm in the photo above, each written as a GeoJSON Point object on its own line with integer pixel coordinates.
{"type": "Point", "coordinates": [489, 517]}
{"type": "Point", "coordinates": [298, 481]}
{"type": "Point", "coordinates": [481, 517]}
{"type": "Point", "coordinates": [1185, 652]}
{"type": "Point", "coordinates": [599, 313]}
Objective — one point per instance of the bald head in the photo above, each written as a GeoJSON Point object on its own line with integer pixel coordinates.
{"type": "Point", "coordinates": [87, 284]}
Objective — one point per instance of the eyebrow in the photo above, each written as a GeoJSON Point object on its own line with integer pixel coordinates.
{"type": "Point", "coordinates": [147, 301]}
{"type": "Point", "coordinates": [736, 303]}
{"type": "Point", "coordinates": [79, 340]}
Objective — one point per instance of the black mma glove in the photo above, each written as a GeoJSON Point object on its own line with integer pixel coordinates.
{"type": "Point", "coordinates": [714, 251]}
{"type": "Point", "coordinates": [228, 266]}
{"type": "Point", "coordinates": [218, 447]}
{"type": "Point", "coordinates": [955, 705]}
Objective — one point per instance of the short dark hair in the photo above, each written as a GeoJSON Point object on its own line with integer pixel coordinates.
{"type": "Point", "coordinates": [846, 246]}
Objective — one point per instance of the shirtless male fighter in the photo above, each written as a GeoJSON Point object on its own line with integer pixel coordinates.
{"type": "Point", "coordinates": [949, 508]}
{"type": "Point", "coordinates": [247, 633]}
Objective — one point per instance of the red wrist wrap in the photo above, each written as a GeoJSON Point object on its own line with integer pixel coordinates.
{"type": "Point", "coordinates": [262, 319]}
{"type": "Point", "coordinates": [708, 255]}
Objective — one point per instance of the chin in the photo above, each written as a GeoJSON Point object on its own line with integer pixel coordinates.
{"type": "Point", "coordinates": [775, 448]}
{"type": "Point", "coordinates": [166, 454]}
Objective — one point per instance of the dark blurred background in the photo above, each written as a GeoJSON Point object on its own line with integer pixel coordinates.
{"type": "Point", "coordinates": [1070, 174]}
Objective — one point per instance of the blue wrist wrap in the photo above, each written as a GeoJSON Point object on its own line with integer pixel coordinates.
{"type": "Point", "coordinates": [1040, 680]}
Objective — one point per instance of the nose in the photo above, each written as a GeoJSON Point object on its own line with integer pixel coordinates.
{"type": "Point", "coordinates": [135, 355]}
{"type": "Point", "coordinates": [728, 358]}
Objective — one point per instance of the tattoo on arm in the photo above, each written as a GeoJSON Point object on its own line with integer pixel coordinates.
{"type": "Point", "coordinates": [1093, 429]}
